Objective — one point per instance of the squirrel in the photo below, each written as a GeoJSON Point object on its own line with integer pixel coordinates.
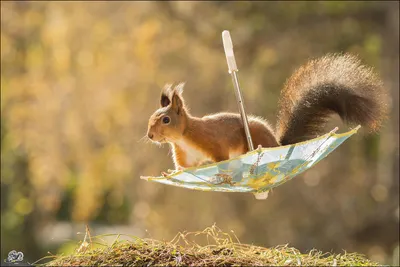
{"type": "Point", "coordinates": [334, 83]}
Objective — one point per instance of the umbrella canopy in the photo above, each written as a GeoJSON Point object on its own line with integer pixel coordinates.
{"type": "Point", "coordinates": [259, 170]}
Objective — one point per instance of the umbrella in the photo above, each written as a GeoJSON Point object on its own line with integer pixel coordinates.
{"type": "Point", "coordinates": [261, 169]}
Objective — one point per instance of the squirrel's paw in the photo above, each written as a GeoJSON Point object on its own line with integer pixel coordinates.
{"type": "Point", "coordinates": [170, 172]}
{"type": "Point", "coordinates": [205, 162]}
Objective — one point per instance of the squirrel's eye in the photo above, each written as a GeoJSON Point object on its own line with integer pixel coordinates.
{"type": "Point", "coordinates": [166, 120]}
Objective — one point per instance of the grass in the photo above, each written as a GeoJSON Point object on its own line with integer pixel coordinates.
{"type": "Point", "coordinates": [219, 249]}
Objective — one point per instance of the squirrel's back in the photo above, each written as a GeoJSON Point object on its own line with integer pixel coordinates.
{"type": "Point", "coordinates": [335, 83]}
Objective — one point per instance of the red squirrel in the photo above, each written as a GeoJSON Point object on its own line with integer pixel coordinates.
{"type": "Point", "coordinates": [335, 83]}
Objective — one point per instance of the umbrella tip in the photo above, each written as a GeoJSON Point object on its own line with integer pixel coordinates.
{"type": "Point", "coordinates": [261, 196]}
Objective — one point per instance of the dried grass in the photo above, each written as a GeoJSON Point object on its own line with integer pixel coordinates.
{"type": "Point", "coordinates": [218, 249]}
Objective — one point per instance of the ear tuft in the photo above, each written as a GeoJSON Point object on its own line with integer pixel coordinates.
{"type": "Point", "coordinates": [179, 88]}
{"type": "Point", "coordinates": [167, 88]}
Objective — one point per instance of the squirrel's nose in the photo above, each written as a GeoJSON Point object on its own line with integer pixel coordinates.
{"type": "Point", "coordinates": [150, 135]}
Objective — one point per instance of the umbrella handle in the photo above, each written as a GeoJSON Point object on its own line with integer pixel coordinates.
{"type": "Point", "coordinates": [232, 68]}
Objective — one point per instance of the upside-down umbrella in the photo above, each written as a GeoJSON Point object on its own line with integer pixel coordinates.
{"type": "Point", "coordinates": [261, 169]}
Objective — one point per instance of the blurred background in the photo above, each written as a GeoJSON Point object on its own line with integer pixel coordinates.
{"type": "Point", "coordinates": [79, 81]}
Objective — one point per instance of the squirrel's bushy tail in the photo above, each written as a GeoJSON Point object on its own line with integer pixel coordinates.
{"type": "Point", "coordinates": [335, 83]}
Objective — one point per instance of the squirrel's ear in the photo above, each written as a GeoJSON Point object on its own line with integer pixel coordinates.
{"type": "Point", "coordinates": [177, 102]}
{"type": "Point", "coordinates": [165, 100]}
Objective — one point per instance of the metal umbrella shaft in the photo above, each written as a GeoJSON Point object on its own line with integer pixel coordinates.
{"type": "Point", "coordinates": [230, 58]}
{"type": "Point", "coordinates": [239, 99]}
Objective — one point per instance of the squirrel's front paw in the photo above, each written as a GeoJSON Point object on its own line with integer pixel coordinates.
{"type": "Point", "coordinates": [205, 162]}
{"type": "Point", "coordinates": [170, 172]}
